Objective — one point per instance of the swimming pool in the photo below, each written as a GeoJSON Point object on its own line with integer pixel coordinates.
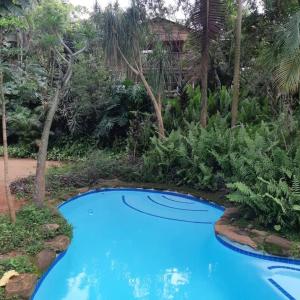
{"type": "Point", "coordinates": [151, 245]}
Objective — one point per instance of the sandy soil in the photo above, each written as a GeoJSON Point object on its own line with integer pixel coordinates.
{"type": "Point", "coordinates": [18, 168]}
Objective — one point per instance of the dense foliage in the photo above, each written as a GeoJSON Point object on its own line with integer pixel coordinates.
{"type": "Point", "coordinates": [109, 106]}
{"type": "Point", "coordinates": [261, 171]}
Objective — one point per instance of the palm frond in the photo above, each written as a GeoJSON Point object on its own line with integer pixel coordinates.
{"type": "Point", "coordinates": [283, 56]}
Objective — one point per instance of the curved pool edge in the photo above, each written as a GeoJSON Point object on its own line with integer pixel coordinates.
{"type": "Point", "coordinates": [92, 191]}
{"type": "Point", "coordinates": [44, 275]}
{"type": "Point", "coordinates": [229, 244]}
{"type": "Point", "coordinates": [254, 253]}
{"type": "Point", "coordinates": [232, 245]}
{"type": "Point", "coordinates": [165, 192]}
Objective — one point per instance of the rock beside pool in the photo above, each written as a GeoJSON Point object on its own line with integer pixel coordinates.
{"type": "Point", "coordinates": [259, 233]}
{"type": "Point", "coordinates": [59, 243]}
{"type": "Point", "coordinates": [225, 228]}
{"type": "Point", "coordinates": [44, 259]}
{"type": "Point", "coordinates": [233, 234]}
{"type": "Point", "coordinates": [249, 236]}
{"type": "Point", "coordinates": [50, 227]}
{"type": "Point", "coordinates": [279, 242]}
{"type": "Point", "coordinates": [21, 286]}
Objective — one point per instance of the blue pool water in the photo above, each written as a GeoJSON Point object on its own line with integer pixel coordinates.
{"type": "Point", "coordinates": [141, 244]}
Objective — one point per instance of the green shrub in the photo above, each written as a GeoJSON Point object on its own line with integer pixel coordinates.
{"type": "Point", "coordinates": [21, 264]}
{"type": "Point", "coordinates": [196, 157]}
{"type": "Point", "coordinates": [257, 164]}
{"type": "Point", "coordinates": [98, 165]}
{"type": "Point", "coordinates": [275, 203]}
{"type": "Point", "coordinates": [64, 150]}
{"type": "Point", "coordinates": [70, 150]}
{"type": "Point", "coordinates": [19, 151]}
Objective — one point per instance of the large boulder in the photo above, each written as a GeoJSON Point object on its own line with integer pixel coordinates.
{"type": "Point", "coordinates": [58, 244]}
{"type": "Point", "coordinates": [21, 286]}
{"type": "Point", "coordinates": [44, 259]}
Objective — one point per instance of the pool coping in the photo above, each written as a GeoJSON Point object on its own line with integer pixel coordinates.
{"type": "Point", "coordinates": [254, 253]}
{"type": "Point", "coordinates": [219, 238]}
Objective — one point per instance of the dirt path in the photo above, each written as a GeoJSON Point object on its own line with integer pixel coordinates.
{"type": "Point", "coordinates": [18, 168]}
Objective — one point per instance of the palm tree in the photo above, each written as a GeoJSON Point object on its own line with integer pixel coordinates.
{"type": "Point", "coordinates": [237, 59]}
{"type": "Point", "coordinates": [286, 69]}
{"type": "Point", "coordinates": [125, 37]}
{"type": "Point", "coordinates": [207, 19]}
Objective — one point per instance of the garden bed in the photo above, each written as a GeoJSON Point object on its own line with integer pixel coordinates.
{"type": "Point", "coordinates": [29, 246]}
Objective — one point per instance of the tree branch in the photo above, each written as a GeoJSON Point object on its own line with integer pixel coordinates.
{"type": "Point", "coordinates": [61, 56]}
{"type": "Point", "coordinates": [65, 45]}
{"type": "Point", "coordinates": [135, 71]}
{"type": "Point", "coordinates": [81, 50]}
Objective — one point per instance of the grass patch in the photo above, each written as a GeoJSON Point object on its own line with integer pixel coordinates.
{"type": "Point", "coordinates": [21, 264]}
{"type": "Point", "coordinates": [28, 233]}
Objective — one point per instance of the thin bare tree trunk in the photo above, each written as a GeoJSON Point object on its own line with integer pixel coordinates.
{"type": "Point", "coordinates": [237, 59]}
{"type": "Point", "coordinates": [203, 113]}
{"type": "Point", "coordinates": [9, 199]}
{"type": "Point", "coordinates": [157, 107]}
{"type": "Point", "coordinates": [40, 185]}
{"type": "Point", "coordinates": [156, 102]}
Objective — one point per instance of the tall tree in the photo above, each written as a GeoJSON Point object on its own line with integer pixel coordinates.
{"type": "Point", "coordinates": [237, 60]}
{"type": "Point", "coordinates": [9, 199]}
{"type": "Point", "coordinates": [126, 37]}
{"type": "Point", "coordinates": [207, 20]}
{"type": "Point", "coordinates": [9, 10]}
{"type": "Point", "coordinates": [52, 18]}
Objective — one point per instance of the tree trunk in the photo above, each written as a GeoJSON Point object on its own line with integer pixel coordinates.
{"type": "Point", "coordinates": [203, 114]}
{"type": "Point", "coordinates": [237, 58]}
{"type": "Point", "coordinates": [40, 186]}
{"type": "Point", "coordinates": [157, 107]}
{"type": "Point", "coordinates": [156, 102]}
{"type": "Point", "coordinates": [9, 199]}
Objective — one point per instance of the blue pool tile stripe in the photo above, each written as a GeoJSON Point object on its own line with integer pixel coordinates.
{"type": "Point", "coordinates": [76, 197]}
{"type": "Point", "coordinates": [179, 208]}
{"type": "Point", "coordinates": [283, 267]}
{"type": "Point", "coordinates": [178, 201]}
{"type": "Point", "coordinates": [161, 217]}
{"type": "Point", "coordinates": [40, 281]}
{"type": "Point", "coordinates": [281, 289]}
{"type": "Point", "coordinates": [190, 197]}
{"type": "Point", "coordinates": [257, 254]}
